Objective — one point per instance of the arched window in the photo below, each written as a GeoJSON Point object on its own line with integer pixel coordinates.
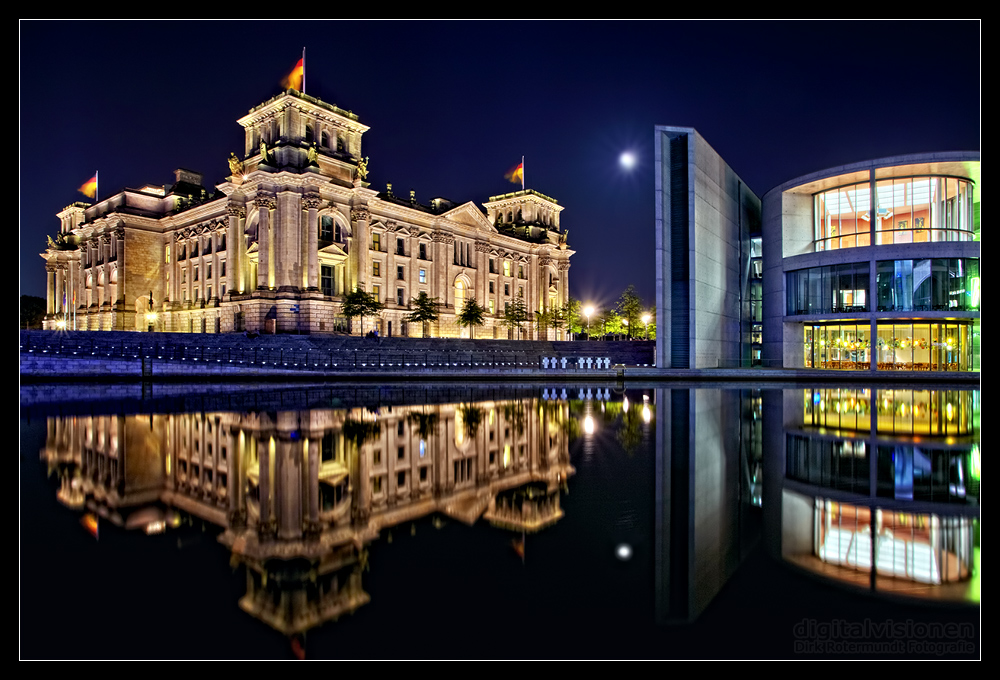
{"type": "Point", "coordinates": [309, 134]}
{"type": "Point", "coordinates": [325, 139]}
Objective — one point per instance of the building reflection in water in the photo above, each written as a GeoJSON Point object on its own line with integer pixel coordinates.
{"type": "Point", "coordinates": [876, 487]}
{"type": "Point", "coordinates": [708, 493]}
{"type": "Point", "coordinates": [881, 487]}
{"type": "Point", "coordinates": [300, 494]}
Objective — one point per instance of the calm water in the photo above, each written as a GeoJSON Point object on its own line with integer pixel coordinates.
{"type": "Point", "coordinates": [499, 522]}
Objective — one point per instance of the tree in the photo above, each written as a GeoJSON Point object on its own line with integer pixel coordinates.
{"type": "Point", "coordinates": [472, 315]}
{"type": "Point", "coordinates": [630, 309]}
{"type": "Point", "coordinates": [362, 304]}
{"type": "Point", "coordinates": [542, 320]}
{"type": "Point", "coordinates": [572, 314]}
{"type": "Point", "coordinates": [425, 311]}
{"type": "Point", "coordinates": [515, 314]}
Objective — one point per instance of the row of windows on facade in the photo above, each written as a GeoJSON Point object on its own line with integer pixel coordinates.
{"type": "Point", "coordinates": [94, 253]}
{"type": "Point", "coordinates": [196, 248]}
{"type": "Point", "coordinates": [939, 284]}
{"type": "Point", "coordinates": [268, 133]}
{"type": "Point", "coordinates": [463, 255]}
{"type": "Point", "coordinates": [195, 269]}
{"type": "Point", "coordinates": [546, 218]}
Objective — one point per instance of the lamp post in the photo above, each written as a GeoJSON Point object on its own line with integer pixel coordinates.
{"type": "Point", "coordinates": [645, 322]}
{"type": "Point", "coordinates": [587, 312]}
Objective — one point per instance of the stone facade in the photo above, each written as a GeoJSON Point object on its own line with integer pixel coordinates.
{"type": "Point", "coordinates": [293, 228]}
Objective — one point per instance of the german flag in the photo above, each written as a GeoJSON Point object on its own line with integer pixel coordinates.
{"type": "Point", "coordinates": [89, 188]}
{"type": "Point", "coordinates": [294, 79]}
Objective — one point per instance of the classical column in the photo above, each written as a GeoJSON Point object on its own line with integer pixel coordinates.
{"type": "Point", "coordinates": [120, 266]}
{"type": "Point", "coordinates": [482, 273]}
{"type": "Point", "coordinates": [360, 219]}
{"type": "Point", "coordinates": [312, 204]}
{"type": "Point", "coordinates": [287, 241]}
{"type": "Point", "coordinates": [235, 252]}
{"type": "Point", "coordinates": [50, 288]}
{"type": "Point", "coordinates": [265, 267]}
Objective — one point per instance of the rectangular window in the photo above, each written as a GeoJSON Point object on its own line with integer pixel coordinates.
{"type": "Point", "coordinates": [399, 428]}
{"type": "Point", "coordinates": [400, 453]}
{"type": "Point", "coordinates": [423, 251]}
{"type": "Point", "coordinates": [492, 266]}
{"type": "Point", "coordinates": [223, 266]}
{"type": "Point", "coordinates": [491, 306]}
{"type": "Point", "coordinates": [401, 479]}
{"type": "Point", "coordinates": [520, 271]}
{"type": "Point", "coordinates": [491, 287]}
{"type": "Point", "coordinates": [196, 272]}
{"type": "Point", "coordinates": [423, 276]}
{"type": "Point", "coordinates": [377, 292]}
{"type": "Point", "coordinates": [506, 267]}
{"type": "Point", "coordinates": [376, 241]}
{"type": "Point", "coordinates": [399, 296]}
{"type": "Point", "coordinates": [376, 268]}
{"type": "Point", "coordinates": [506, 289]}
{"type": "Point", "coordinates": [326, 228]}
{"type": "Point", "coordinates": [209, 271]}
{"type": "Point", "coordinates": [167, 255]}
{"type": "Point", "coordinates": [520, 291]}
{"type": "Point", "coordinates": [399, 273]}
{"type": "Point", "coordinates": [399, 246]}
{"type": "Point", "coordinates": [326, 279]}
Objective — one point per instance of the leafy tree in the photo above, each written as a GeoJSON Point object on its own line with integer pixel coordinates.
{"type": "Point", "coordinates": [32, 311]}
{"type": "Point", "coordinates": [425, 311]}
{"type": "Point", "coordinates": [515, 314]}
{"type": "Point", "coordinates": [543, 318]}
{"type": "Point", "coordinates": [472, 315]}
{"type": "Point", "coordinates": [362, 304]}
{"type": "Point", "coordinates": [572, 315]}
{"type": "Point", "coordinates": [630, 309]}
{"type": "Point", "coordinates": [610, 321]}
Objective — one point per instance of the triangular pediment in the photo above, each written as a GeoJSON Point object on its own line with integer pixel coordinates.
{"type": "Point", "coordinates": [469, 215]}
{"type": "Point", "coordinates": [333, 250]}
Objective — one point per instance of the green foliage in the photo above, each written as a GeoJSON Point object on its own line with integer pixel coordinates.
{"type": "Point", "coordinates": [472, 314]}
{"type": "Point", "coordinates": [425, 308]}
{"type": "Point", "coordinates": [362, 304]}
{"type": "Point", "coordinates": [515, 314]}
{"type": "Point", "coordinates": [629, 307]}
{"type": "Point", "coordinates": [572, 314]}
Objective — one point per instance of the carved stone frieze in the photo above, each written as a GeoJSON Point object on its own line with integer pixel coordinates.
{"type": "Point", "coordinates": [482, 247]}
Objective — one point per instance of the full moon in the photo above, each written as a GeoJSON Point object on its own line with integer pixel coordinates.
{"type": "Point", "coordinates": [627, 160]}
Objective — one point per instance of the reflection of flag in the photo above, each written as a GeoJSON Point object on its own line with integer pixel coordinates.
{"type": "Point", "coordinates": [516, 174]}
{"type": "Point", "coordinates": [89, 188]}
{"type": "Point", "coordinates": [294, 79]}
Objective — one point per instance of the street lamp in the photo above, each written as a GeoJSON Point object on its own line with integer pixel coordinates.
{"type": "Point", "coordinates": [587, 312]}
{"type": "Point", "coordinates": [645, 322]}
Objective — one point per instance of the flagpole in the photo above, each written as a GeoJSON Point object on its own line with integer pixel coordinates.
{"type": "Point", "coordinates": [522, 173]}
{"type": "Point", "coordinates": [303, 69]}
{"type": "Point", "coordinates": [97, 185]}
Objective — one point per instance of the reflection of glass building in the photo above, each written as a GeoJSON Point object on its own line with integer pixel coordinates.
{"type": "Point", "coordinates": [875, 266]}
{"type": "Point", "coordinates": [881, 487]}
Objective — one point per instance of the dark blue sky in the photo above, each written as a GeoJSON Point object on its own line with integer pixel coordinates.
{"type": "Point", "coordinates": [452, 105]}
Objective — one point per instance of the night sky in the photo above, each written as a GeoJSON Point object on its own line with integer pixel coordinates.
{"type": "Point", "coordinates": [453, 105]}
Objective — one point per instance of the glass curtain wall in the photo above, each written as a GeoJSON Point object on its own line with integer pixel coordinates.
{"type": "Point", "coordinates": [944, 346]}
{"type": "Point", "coordinates": [907, 210]}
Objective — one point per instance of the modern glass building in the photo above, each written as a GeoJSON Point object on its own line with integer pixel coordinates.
{"type": "Point", "coordinates": [875, 266]}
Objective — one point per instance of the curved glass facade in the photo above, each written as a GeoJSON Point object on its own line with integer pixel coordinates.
{"type": "Point", "coordinates": [939, 284]}
{"type": "Point", "coordinates": [906, 210]}
{"type": "Point", "coordinates": [900, 346]}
